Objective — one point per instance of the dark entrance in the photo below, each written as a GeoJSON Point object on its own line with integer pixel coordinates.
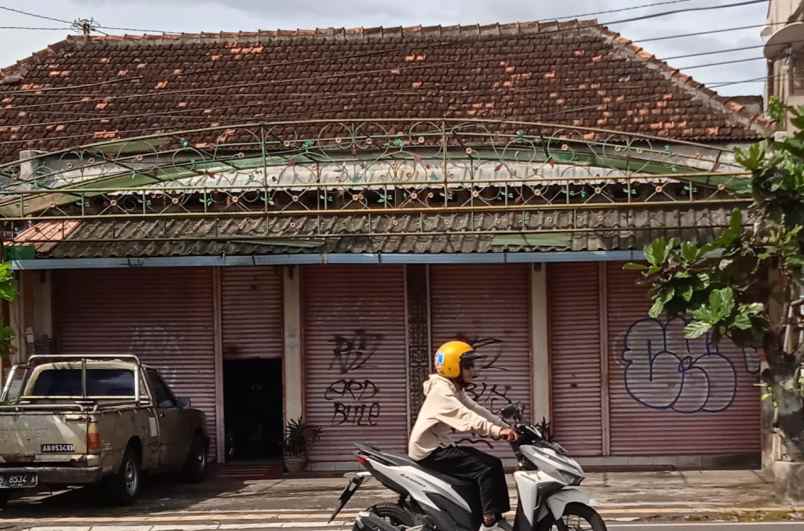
{"type": "Point", "coordinates": [253, 407]}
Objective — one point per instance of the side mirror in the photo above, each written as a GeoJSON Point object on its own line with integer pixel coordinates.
{"type": "Point", "coordinates": [184, 403]}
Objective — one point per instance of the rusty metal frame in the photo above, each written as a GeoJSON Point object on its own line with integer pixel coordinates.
{"type": "Point", "coordinates": [372, 168]}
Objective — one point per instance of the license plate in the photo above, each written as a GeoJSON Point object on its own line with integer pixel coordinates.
{"type": "Point", "coordinates": [54, 448]}
{"type": "Point", "coordinates": [18, 481]}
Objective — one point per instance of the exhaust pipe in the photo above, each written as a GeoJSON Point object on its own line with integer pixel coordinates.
{"type": "Point", "coordinates": [371, 522]}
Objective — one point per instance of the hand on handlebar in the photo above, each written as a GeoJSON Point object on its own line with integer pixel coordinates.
{"type": "Point", "coordinates": [509, 435]}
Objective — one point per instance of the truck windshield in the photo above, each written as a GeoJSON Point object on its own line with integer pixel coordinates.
{"type": "Point", "coordinates": [100, 383]}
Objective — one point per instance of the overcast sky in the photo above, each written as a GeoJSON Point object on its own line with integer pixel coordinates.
{"type": "Point", "coordinates": [246, 15]}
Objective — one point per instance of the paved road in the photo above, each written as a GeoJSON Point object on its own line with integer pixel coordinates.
{"type": "Point", "coordinates": [314, 523]}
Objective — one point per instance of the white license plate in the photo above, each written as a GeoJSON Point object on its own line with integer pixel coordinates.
{"type": "Point", "coordinates": [18, 481]}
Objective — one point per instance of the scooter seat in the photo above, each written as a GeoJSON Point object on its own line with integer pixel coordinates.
{"type": "Point", "coordinates": [457, 483]}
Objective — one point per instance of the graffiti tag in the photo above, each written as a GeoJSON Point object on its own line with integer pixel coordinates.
{"type": "Point", "coordinates": [354, 400]}
{"type": "Point", "coordinates": [353, 352]}
{"type": "Point", "coordinates": [666, 371]}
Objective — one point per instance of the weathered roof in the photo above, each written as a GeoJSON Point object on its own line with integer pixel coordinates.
{"type": "Point", "coordinates": [561, 230]}
{"type": "Point", "coordinates": [579, 73]}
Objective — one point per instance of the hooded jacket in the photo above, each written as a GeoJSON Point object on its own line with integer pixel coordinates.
{"type": "Point", "coordinates": [447, 407]}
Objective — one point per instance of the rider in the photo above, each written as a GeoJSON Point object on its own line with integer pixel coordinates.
{"type": "Point", "coordinates": [447, 407]}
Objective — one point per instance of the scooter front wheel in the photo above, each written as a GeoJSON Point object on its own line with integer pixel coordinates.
{"type": "Point", "coordinates": [577, 517]}
{"type": "Point", "coordinates": [390, 514]}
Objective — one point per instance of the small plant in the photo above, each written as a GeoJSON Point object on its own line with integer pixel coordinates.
{"type": "Point", "coordinates": [299, 436]}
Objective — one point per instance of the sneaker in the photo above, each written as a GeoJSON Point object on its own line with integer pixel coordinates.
{"type": "Point", "coordinates": [499, 525]}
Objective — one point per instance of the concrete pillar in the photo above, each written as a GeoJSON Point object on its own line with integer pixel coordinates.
{"type": "Point", "coordinates": [32, 314]}
{"type": "Point", "coordinates": [293, 377]}
{"type": "Point", "coordinates": [540, 346]}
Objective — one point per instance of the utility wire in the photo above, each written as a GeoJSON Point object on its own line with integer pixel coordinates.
{"type": "Point", "coordinates": [32, 28]}
{"type": "Point", "coordinates": [684, 10]}
{"type": "Point", "coordinates": [734, 61]}
{"type": "Point", "coordinates": [21, 12]}
{"type": "Point", "coordinates": [708, 32]}
{"type": "Point", "coordinates": [620, 10]}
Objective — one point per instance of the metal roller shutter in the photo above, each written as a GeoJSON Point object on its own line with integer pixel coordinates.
{"type": "Point", "coordinates": [163, 315]}
{"type": "Point", "coordinates": [251, 313]}
{"type": "Point", "coordinates": [670, 396]}
{"type": "Point", "coordinates": [488, 301]}
{"type": "Point", "coordinates": [575, 357]}
{"type": "Point", "coordinates": [355, 359]}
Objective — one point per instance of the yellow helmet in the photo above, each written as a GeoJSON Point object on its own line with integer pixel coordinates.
{"type": "Point", "coordinates": [449, 356]}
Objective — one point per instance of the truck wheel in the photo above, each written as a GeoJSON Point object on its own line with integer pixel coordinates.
{"type": "Point", "coordinates": [195, 468]}
{"type": "Point", "coordinates": [125, 486]}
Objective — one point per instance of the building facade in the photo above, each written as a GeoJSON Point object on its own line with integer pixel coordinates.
{"type": "Point", "coordinates": [235, 225]}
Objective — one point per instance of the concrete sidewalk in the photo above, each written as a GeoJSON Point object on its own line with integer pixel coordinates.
{"type": "Point", "coordinates": [621, 496]}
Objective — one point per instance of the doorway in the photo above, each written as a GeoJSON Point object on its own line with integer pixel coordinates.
{"type": "Point", "coordinates": [252, 395]}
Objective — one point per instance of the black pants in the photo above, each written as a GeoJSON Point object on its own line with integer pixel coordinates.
{"type": "Point", "coordinates": [473, 465]}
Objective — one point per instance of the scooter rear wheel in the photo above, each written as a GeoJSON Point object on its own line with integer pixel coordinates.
{"type": "Point", "coordinates": [577, 517]}
{"type": "Point", "coordinates": [391, 513]}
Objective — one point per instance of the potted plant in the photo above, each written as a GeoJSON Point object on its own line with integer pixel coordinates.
{"type": "Point", "coordinates": [299, 436]}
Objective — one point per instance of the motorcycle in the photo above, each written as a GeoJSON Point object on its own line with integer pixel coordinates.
{"type": "Point", "coordinates": [547, 481]}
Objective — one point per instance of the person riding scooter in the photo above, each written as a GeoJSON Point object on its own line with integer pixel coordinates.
{"type": "Point", "coordinates": [447, 407]}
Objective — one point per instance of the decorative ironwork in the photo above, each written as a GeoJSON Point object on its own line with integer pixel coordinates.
{"type": "Point", "coordinates": [380, 169]}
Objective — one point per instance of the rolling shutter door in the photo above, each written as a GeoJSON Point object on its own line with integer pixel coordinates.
{"type": "Point", "coordinates": [355, 360]}
{"type": "Point", "coordinates": [488, 301]}
{"type": "Point", "coordinates": [251, 313]}
{"type": "Point", "coordinates": [575, 357]}
{"type": "Point", "coordinates": [163, 315]}
{"type": "Point", "coordinates": [670, 396]}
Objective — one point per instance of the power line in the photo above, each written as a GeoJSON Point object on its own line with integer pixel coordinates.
{"type": "Point", "coordinates": [720, 63]}
{"type": "Point", "coordinates": [33, 28]}
{"type": "Point", "coordinates": [708, 32]}
{"type": "Point", "coordinates": [713, 52]}
{"type": "Point", "coordinates": [684, 10]}
{"type": "Point", "coordinates": [622, 9]}
{"type": "Point", "coordinates": [21, 12]}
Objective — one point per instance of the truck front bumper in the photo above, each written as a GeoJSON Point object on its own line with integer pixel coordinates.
{"type": "Point", "coordinates": [58, 475]}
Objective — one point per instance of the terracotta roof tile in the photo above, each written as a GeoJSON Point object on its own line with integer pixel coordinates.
{"type": "Point", "coordinates": [574, 72]}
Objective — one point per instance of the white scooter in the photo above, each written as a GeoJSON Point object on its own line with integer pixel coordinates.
{"type": "Point", "coordinates": [547, 486]}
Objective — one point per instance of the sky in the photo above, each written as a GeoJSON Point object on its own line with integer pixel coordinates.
{"type": "Point", "coordinates": [248, 15]}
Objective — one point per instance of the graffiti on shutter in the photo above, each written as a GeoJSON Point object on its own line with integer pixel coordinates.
{"type": "Point", "coordinates": [664, 370]}
{"type": "Point", "coordinates": [354, 400]}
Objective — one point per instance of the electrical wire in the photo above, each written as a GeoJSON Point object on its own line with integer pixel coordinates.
{"type": "Point", "coordinates": [684, 10]}
{"type": "Point", "coordinates": [620, 10]}
{"type": "Point", "coordinates": [33, 28]}
{"type": "Point", "coordinates": [720, 63]}
{"type": "Point", "coordinates": [28, 13]}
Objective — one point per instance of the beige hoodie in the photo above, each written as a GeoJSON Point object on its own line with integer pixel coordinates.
{"type": "Point", "coordinates": [446, 408]}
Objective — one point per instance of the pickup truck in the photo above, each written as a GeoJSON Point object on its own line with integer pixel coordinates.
{"type": "Point", "coordinates": [71, 420]}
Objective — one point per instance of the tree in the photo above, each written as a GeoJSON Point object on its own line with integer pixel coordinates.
{"type": "Point", "coordinates": [8, 292]}
{"type": "Point", "coordinates": [746, 285]}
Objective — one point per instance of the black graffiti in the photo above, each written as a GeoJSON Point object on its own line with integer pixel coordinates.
{"type": "Point", "coordinates": [665, 371]}
{"type": "Point", "coordinates": [353, 402]}
{"type": "Point", "coordinates": [356, 414]}
{"type": "Point", "coordinates": [353, 352]}
{"type": "Point", "coordinates": [495, 396]}
{"type": "Point", "coordinates": [354, 389]}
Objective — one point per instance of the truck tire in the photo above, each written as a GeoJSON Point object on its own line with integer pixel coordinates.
{"type": "Point", "coordinates": [195, 468]}
{"type": "Point", "coordinates": [125, 486]}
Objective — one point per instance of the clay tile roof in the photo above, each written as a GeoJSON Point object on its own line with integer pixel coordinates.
{"type": "Point", "coordinates": [574, 72]}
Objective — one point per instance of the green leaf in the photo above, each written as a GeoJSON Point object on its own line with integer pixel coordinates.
{"type": "Point", "coordinates": [657, 252]}
{"type": "Point", "coordinates": [690, 252]}
{"type": "Point", "coordinates": [634, 266]}
{"type": "Point", "coordinates": [657, 309]}
{"type": "Point", "coordinates": [688, 293]}
{"type": "Point", "coordinates": [721, 302]}
{"type": "Point", "coordinates": [751, 158]}
{"type": "Point", "coordinates": [696, 329]}
{"type": "Point", "coordinates": [743, 322]}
